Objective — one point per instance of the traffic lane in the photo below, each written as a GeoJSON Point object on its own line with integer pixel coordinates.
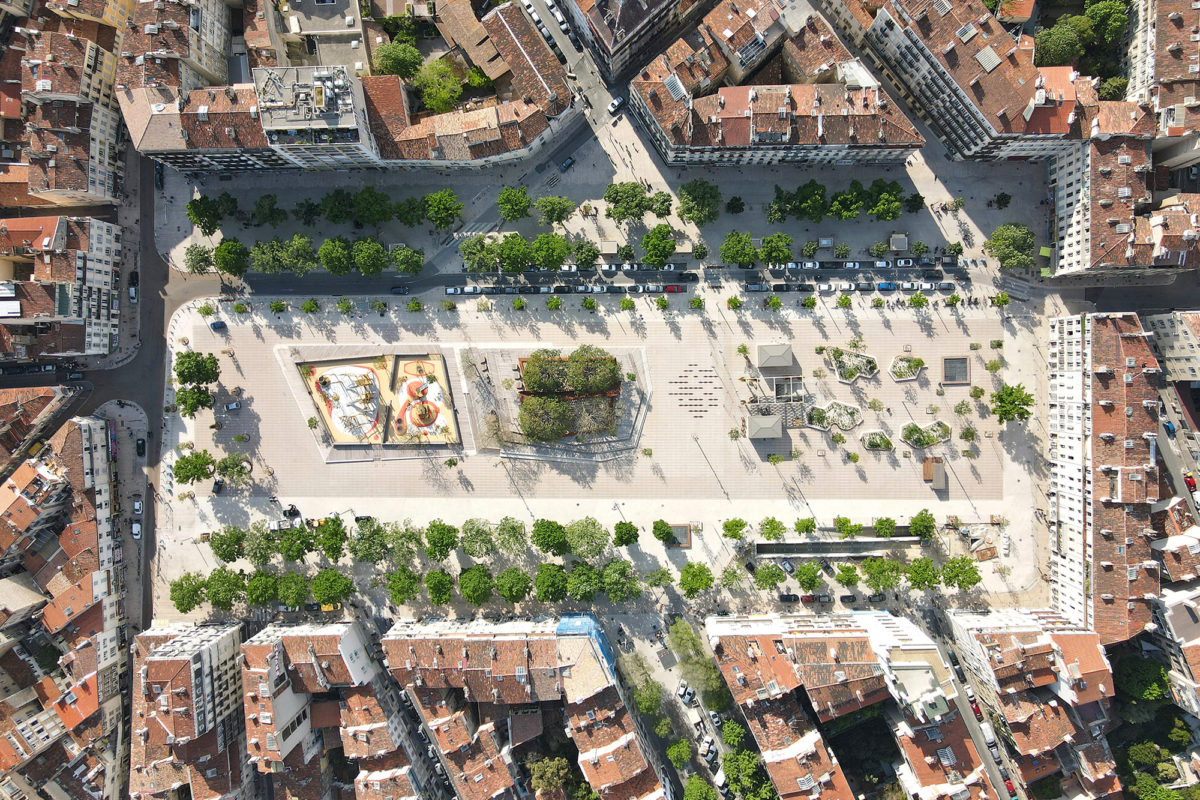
{"type": "Point", "coordinates": [1177, 462]}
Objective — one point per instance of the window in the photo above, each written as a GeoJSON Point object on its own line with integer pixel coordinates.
{"type": "Point", "coordinates": [1133, 573]}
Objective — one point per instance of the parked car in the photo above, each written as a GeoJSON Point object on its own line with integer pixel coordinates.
{"type": "Point", "coordinates": [234, 406]}
{"type": "Point", "coordinates": [609, 268]}
{"type": "Point", "coordinates": [789, 598]}
{"type": "Point", "coordinates": [908, 286]}
{"type": "Point", "coordinates": [137, 507]}
{"type": "Point", "coordinates": [845, 286]}
{"type": "Point", "coordinates": [788, 567]}
{"type": "Point", "coordinates": [141, 447]}
{"type": "Point", "coordinates": [630, 266]}
{"type": "Point", "coordinates": [953, 656]}
{"type": "Point", "coordinates": [824, 598]}
{"type": "Point", "coordinates": [810, 265]}
{"type": "Point", "coordinates": [136, 530]}
{"type": "Point", "coordinates": [853, 265]}
{"type": "Point", "coordinates": [886, 286]}
{"type": "Point", "coordinates": [1009, 785]}
{"type": "Point", "coordinates": [824, 288]}
{"type": "Point", "coordinates": [74, 376]}
{"type": "Point", "coordinates": [545, 289]}
{"type": "Point", "coordinates": [806, 287]}
{"type": "Point", "coordinates": [932, 275]}
{"type": "Point", "coordinates": [714, 718]}
{"type": "Point", "coordinates": [653, 288]}
{"type": "Point", "coordinates": [217, 326]}
{"type": "Point", "coordinates": [927, 286]}
{"type": "Point", "coordinates": [780, 287]}
{"type": "Point", "coordinates": [569, 268]}
{"type": "Point", "coordinates": [636, 288]}
{"type": "Point", "coordinates": [399, 290]}
{"type": "Point", "coordinates": [750, 567]}
{"type": "Point", "coordinates": [615, 104]}
{"type": "Point", "coordinates": [995, 752]}
{"type": "Point", "coordinates": [688, 277]}
{"type": "Point", "coordinates": [904, 262]}
{"type": "Point", "coordinates": [527, 290]}
{"type": "Point", "coordinates": [863, 286]}
{"type": "Point", "coordinates": [945, 286]}
{"type": "Point", "coordinates": [472, 290]}
{"type": "Point", "coordinates": [614, 289]}
{"type": "Point", "coordinates": [849, 598]}
{"type": "Point", "coordinates": [489, 290]}
{"type": "Point", "coordinates": [673, 288]}
{"type": "Point", "coordinates": [454, 290]}
{"type": "Point", "coordinates": [218, 486]}
{"type": "Point", "coordinates": [969, 691]}
{"type": "Point", "coordinates": [879, 597]}
{"type": "Point", "coordinates": [562, 289]}
{"type": "Point", "coordinates": [975, 710]}
{"type": "Point", "coordinates": [757, 287]}
{"type": "Point", "coordinates": [958, 673]}
{"type": "Point", "coordinates": [808, 598]}
{"type": "Point", "coordinates": [883, 264]}
{"type": "Point", "coordinates": [1189, 480]}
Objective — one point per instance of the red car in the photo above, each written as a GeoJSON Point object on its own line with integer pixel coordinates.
{"type": "Point", "coordinates": [1188, 480]}
{"type": "Point", "coordinates": [808, 598]}
{"type": "Point", "coordinates": [975, 708]}
{"type": "Point", "coordinates": [673, 288]}
{"type": "Point", "coordinates": [1008, 785]}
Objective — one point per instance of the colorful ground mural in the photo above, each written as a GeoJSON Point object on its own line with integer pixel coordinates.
{"type": "Point", "coordinates": [387, 400]}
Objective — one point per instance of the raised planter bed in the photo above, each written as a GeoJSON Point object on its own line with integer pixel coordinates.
{"type": "Point", "coordinates": [924, 436]}
{"type": "Point", "coordinates": [850, 366]}
{"type": "Point", "coordinates": [834, 413]}
{"type": "Point", "coordinates": [906, 368]}
{"type": "Point", "coordinates": [877, 440]}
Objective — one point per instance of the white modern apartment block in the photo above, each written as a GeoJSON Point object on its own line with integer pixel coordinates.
{"type": "Point", "coordinates": [1176, 633]}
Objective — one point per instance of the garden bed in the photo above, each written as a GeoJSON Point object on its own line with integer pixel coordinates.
{"type": "Point", "coordinates": [843, 415]}
{"type": "Point", "coordinates": [906, 368]}
{"type": "Point", "coordinates": [923, 436]}
{"type": "Point", "coordinates": [877, 440]}
{"type": "Point", "coordinates": [850, 366]}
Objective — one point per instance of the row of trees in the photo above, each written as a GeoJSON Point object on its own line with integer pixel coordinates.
{"type": "Point", "coordinates": [193, 374]}
{"type": "Point", "coordinates": [922, 524]}
{"type": "Point", "coordinates": [878, 574]}
{"type": "Point", "coordinates": [514, 253]}
{"type": "Point", "coordinates": [223, 588]}
{"type": "Point", "coordinates": [198, 465]}
{"type": "Point", "coordinates": [884, 200]}
{"type": "Point", "coordinates": [337, 255]}
{"type": "Point", "coordinates": [368, 207]}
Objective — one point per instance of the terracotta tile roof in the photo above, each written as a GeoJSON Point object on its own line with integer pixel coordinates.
{"type": "Point", "coordinates": [1015, 11]}
{"type": "Point", "coordinates": [1020, 659]}
{"type": "Point", "coordinates": [363, 724]}
{"type": "Point", "coordinates": [537, 77]}
{"type": "Point", "coordinates": [793, 752]}
{"type": "Point", "coordinates": [1119, 173]}
{"type": "Point", "coordinates": [387, 111]}
{"type": "Point", "coordinates": [1125, 478]}
{"type": "Point", "coordinates": [942, 756]}
{"type": "Point", "coordinates": [1037, 725]}
{"type": "Point", "coordinates": [163, 31]}
{"type": "Point", "coordinates": [460, 28]}
{"type": "Point", "coordinates": [1082, 655]}
{"type": "Point", "coordinates": [55, 64]}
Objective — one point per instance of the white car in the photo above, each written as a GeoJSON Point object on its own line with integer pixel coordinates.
{"type": "Point", "coordinates": [824, 288]}
{"type": "Point", "coordinates": [845, 287]}
{"type": "Point", "coordinates": [136, 530]}
{"type": "Point", "coordinates": [908, 286]}
{"type": "Point", "coordinates": [234, 406]}
{"type": "Point", "coordinates": [569, 268]}
{"type": "Point", "coordinates": [562, 22]}
{"type": "Point", "coordinates": [615, 104]}
{"type": "Point", "coordinates": [810, 265]}
{"type": "Point", "coordinates": [528, 6]}
{"type": "Point", "coordinates": [630, 266]}
{"type": "Point", "coordinates": [904, 262]}
{"type": "Point", "coordinates": [534, 16]}
{"type": "Point", "coordinates": [137, 507]}
{"type": "Point", "coordinates": [928, 287]}
{"type": "Point", "coordinates": [883, 264]}
{"type": "Point", "coordinates": [610, 268]}
{"type": "Point", "coordinates": [472, 290]}
{"type": "Point", "coordinates": [454, 290]}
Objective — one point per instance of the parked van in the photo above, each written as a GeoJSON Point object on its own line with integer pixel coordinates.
{"type": "Point", "coordinates": [989, 735]}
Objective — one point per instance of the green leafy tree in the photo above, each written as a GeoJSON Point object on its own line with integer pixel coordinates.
{"type": "Point", "coordinates": [511, 538]}
{"type": "Point", "coordinates": [1012, 244]}
{"type": "Point", "coordinates": [847, 575]}
{"type": "Point", "coordinates": [550, 250]}
{"type": "Point", "coordinates": [409, 211]}
{"type": "Point", "coordinates": [768, 576]}
{"type": "Point", "coordinates": [292, 589]}
{"type": "Point", "coordinates": [553, 210]}
{"type": "Point", "coordinates": [407, 260]}
{"type": "Point", "coordinates": [738, 248]}
{"type": "Point", "coordinates": [439, 585]}
{"type": "Point", "coordinates": [735, 205]}
{"type": "Point", "coordinates": [260, 544]}
{"type": "Point", "coordinates": [732, 734]}
{"type": "Point", "coordinates": [187, 592]}
{"type": "Point", "coordinates": [885, 527]}
{"type": "Point", "coordinates": [663, 532]}
{"type": "Point", "coordinates": [190, 400]}
{"type": "Point", "coordinates": [845, 528]}
{"type": "Point", "coordinates": [396, 58]}
{"type": "Point", "coordinates": [205, 214]}
{"type": "Point", "coordinates": [439, 87]}
{"type": "Point", "coordinates": [697, 788]}
{"type": "Point", "coordinates": [695, 578]}
{"type": "Point", "coordinates": [806, 526]}
{"type": "Point", "coordinates": [922, 524]}
{"type": "Point", "coordinates": [776, 248]}
{"type": "Point", "coordinates": [443, 209]}
{"type": "Point", "coordinates": [544, 419]}
{"type": "Point", "coordinates": [961, 573]}
{"type": "Point", "coordinates": [621, 581]}
{"type": "Point", "coordinates": [514, 584]}
{"type": "Point", "coordinates": [1012, 402]}
{"type": "Point", "coordinates": [586, 254]}
{"type": "Point", "coordinates": [659, 204]}
{"type": "Point", "coordinates": [881, 574]}
{"type": "Point", "coordinates": [475, 584]}
{"type": "Point", "coordinates": [584, 581]}
{"type": "Point", "coordinates": [228, 544]}
{"type": "Point", "coordinates": [550, 537]}
{"type": "Point", "coordinates": [549, 774]}
{"type": "Point", "coordinates": [771, 529]}
{"type": "Point", "coordinates": [260, 589]}
{"type": "Point", "coordinates": [331, 537]}
{"type": "Point", "coordinates": [587, 538]}
{"type": "Point", "coordinates": [224, 587]}
{"type": "Point", "coordinates": [659, 245]}
{"type": "Point", "coordinates": [659, 578]}
{"type": "Point", "coordinates": [296, 543]}
{"type": "Point", "coordinates": [648, 698]}
{"type": "Point", "coordinates": [234, 468]}
{"type": "Point", "coordinates": [1109, 20]}
{"type": "Point", "coordinates": [193, 367]}
{"type": "Point", "coordinates": [846, 205]}
{"type": "Point", "coordinates": [550, 583]}
{"type": "Point", "coordinates": [1114, 88]}
{"type": "Point", "coordinates": [338, 206]}
{"type": "Point", "coordinates": [626, 201]}
{"type": "Point", "coordinates": [624, 534]}
{"type": "Point", "coordinates": [1141, 679]}
{"type": "Point", "coordinates": [403, 585]}
{"type": "Point", "coordinates": [440, 540]}
{"type": "Point", "coordinates": [808, 575]}
{"type": "Point", "coordinates": [477, 539]}
{"type": "Point", "coordinates": [478, 255]}
{"type": "Point", "coordinates": [680, 753]}
{"type": "Point", "coordinates": [334, 255]}
{"type": "Point", "coordinates": [922, 574]}
{"type": "Point", "coordinates": [231, 258]}
{"type": "Point", "coordinates": [514, 203]}
{"type": "Point", "coordinates": [1057, 46]}
{"type": "Point", "coordinates": [887, 207]}
{"type": "Point", "coordinates": [267, 211]}
{"type": "Point", "coordinates": [370, 258]}
{"type": "Point", "coordinates": [513, 253]}
{"type": "Point", "coordinates": [198, 259]}
{"type": "Point", "coordinates": [699, 202]}
{"type": "Point", "coordinates": [194, 466]}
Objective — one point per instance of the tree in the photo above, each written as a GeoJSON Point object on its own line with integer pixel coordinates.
{"type": "Point", "coordinates": [624, 534]}
{"type": "Point", "coordinates": [1012, 245]}
{"type": "Point", "coordinates": [586, 254]}
{"type": "Point", "coordinates": [403, 585]}
{"type": "Point", "coordinates": [550, 583]}
{"type": "Point", "coordinates": [477, 254]}
{"type": "Point", "coordinates": [776, 248]}
{"type": "Point", "coordinates": [961, 573]}
{"type": "Point", "coordinates": [513, 253]}
{"type": "Point", "coordinates": [234, 468]}
{"type": "Point", "coordinates": [224, 587]}
{"type": "Point", "coordinates": [881, 574]}
{"type": "Point", "coordinates": [296, 543]}
{"type": "Point", "coordinates": [198, 259]}
{"type": "Point", "coordinates": [922, 574]}
{"type": "Point", "coordinates": [648, 698]}
{"type": "Point", "coordinates": [260, 589]}
{"type": "Point", "coordinates": [440, 586]}
{"type": "Point", "coordinates": [697, 788]}
{"type": "Point", "coordinates": [228, 543]}
{"type": "Point", "coordinates": [544, 419]}
{"type": "Point", "coordinates": [190, 400]}
{"type": "Point", "coordinates": [510, 536]}
{"type": "Point", "coordinates": [369, 543]}
{"type": "Point", "coordinates": [1109, 19]}
{"type": "Point", "coordinates": [330, 586]}
{"type": "Point", "coordinates": [408, 260]}
{"type": "Point", "coordinates": [338, 206]}
{"type": "Point", "coordinates": [410, 211]}
{"type": "Point", "coordinates": [738, 248]}
{"type": "Point", "coordinates": [205, 214]}
{"type": "Point", "coordinates": [187, 592]}
{"type": "Point", "coordinates": [440, 540]}
{"type": "Point", "coordinates": [1057, 46]}
{"type": "Point", "coordinates": [334, 255]}
{"type": "Point", "coordinates": [260, 545]}
{"type": "Point", "coordinates": [1114, 88]}
{"type": "Point", "coordinates": [550, 537]}
{"type": "Point", "coordinates": [621, 581]}
{"type": "Point", "coordinates": [918, 300]}
{"type": "Point", "coordinates": [732, 734]}
{"type": "Point", "coordinates": [331, 537]}
{"type": "Point", "coordinates": [680, 753]}
{"type": "Point", "coordinates": [587, 538]}
{"type": "Point", "coordinates": [663, 532]}
{"type": "Point", "coordinates": [885, 527]}
{"type": "Point", "coordinates": [808, 575]}
{"type": "Point", "coordinates": [477, 540]}
{"type": "Point", "coordinates": [514, 584]}
{"type": "Point", "coordinates": [659, 578]}
{"type": "Point", "coordinates": [192, 367]}
{"type": "Point", "coordinates": [292, 589]}
{"type": "Point", "coordinates": [553, 209]}
{"type": "Point", "coordinates": [442, 208]}
{"type": "Point", "coordinates": [626, 201]}
{"type": "Point", "coordinates": [922, 524]}
{"type": "Point", "coordinates": [771, 529]}
{"type": "Point", "coordinates": [847, 575]}
{"type": "Point", "coordinates": [1141, 679]}
{"type": "Point", "coordinates": [1012, 403]}
{"type": "Point", "coordinates": [475, 584]}
{"type": "Point", "coordinates": [658, 244]}
{"type": "Point", "coordinates": [439, 87]}
{"type": "Point", "coordinates": [659, 204]}
{"type": "Point", "coordinates": [846, 205]}
{"type": "Point", "coordinates": [845, 528]}
{"type": "Point", "coordinates": [194, 466]}
{"type": "Point", "coordinates": [695, 578]}
{"type": "Point", "coordinates": [397, 58]}
{"type": "Point", "coordinates": [768, 576]}
{"type": "Point", "coordinates": [699, 202]}
{"type": "Point", "coordinates": [267, 211]}
{"type": "Point", "coordinates": [550, 250]}
{"type": "Point", "coordinates": [735, 205]}
{"type": "Point", "coordinates": [514, 203]}
{"type": "Point", "coordinates": [231, 258]}
{"type": "Point", "coordinates": [370, 259]}
{"type": "Point", "coordinates": [887, 207]}
{"type": "Point", "coordinates": [549, 774]}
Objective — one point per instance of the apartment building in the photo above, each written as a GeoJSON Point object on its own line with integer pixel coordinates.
{"type": "Point", "coordinates": [1176, 637]}
{"type": "Point", "coordinates": [843, 662]}
{"type": "Point", "coordinates": [620, 32]}
{"type": "Point", "coordinates": [486, 691]}
{"type": "Point", "coordinates": [1105, 477]}
{"type": "Point", "coordinates": [831, 110]}
{"type": "Point", "coordinates": [188, 733]}
{"type": "Point", "coordinates": [1164, 74]}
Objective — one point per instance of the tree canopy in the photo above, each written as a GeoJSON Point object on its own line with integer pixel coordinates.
{"type": "Point", "coordinates": [1012, 402]}
{"type": "Point", "coordinates": [440, 88]}
{"type": "Point", "coordinates": [513, 203]}
{"type": "Point", "coordinates": [397, 58]}
{"type": "Point", "coordinates": [1012, 245]}
{"type": "Point", "coordinates": [699, 202]}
